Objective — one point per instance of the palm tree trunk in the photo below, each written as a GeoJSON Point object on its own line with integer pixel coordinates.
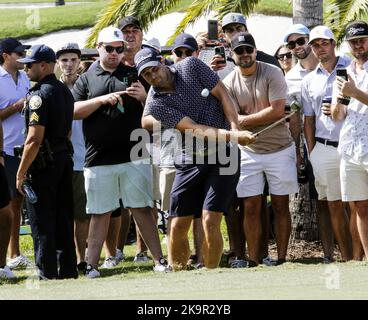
{"type": "Point", "coordinates": [303, 210]}
{"type": "Point", "coordinates": [308, 12]}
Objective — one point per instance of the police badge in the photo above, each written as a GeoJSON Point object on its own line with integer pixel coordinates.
{"type": "Point", "coordinates": [35, 102]}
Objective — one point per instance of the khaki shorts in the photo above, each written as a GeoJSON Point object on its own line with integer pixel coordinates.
{"type": "Point", "coordinates": [325, 161]}
{"type": "Point", "coordinates": [167, 176]}
{"type": "Point", "coordinates": [354, 180]}
{"type": "Point", "coordinates": [105, 185]}
{"type": "Point", "coordinates": [79, 196]}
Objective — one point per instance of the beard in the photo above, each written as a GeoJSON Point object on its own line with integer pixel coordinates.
{"type": "Point", "coordinates": [361, 56]}
{"type": "Point", "coordinates": [246, 64]}
{"type": "Point", "coordinates": [303, 53]}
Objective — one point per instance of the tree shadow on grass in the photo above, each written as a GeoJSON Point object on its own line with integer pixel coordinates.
{"type": "Point", "coordinates": [124, 269]}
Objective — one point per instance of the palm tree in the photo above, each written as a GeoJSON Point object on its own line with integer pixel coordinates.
{"type": "Point", "coordinates": [340, 12]}
{"type": "Point", "coordinates": [148, 10]}
{"type": "Point", "coordinates": [308, 12]}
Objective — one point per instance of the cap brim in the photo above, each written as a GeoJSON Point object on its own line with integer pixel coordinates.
{"type": "Point", "coordinates": [26, 60]}
{"type": "Point", "coordinates": [356, 37]}
{"type": "Point", "coordinates": [130, 24]}
{"type": "Point", "coordinates": [243, 45]}
{"type": "Point", "coordinates": [286, 37]}
{"type": "Point", "coordinates": [320, 37]}
{"type": "Point", "coordinates": [148, 64]}
{"type": "Point", "coordinates": [184, 46]}
{"type": "Point", "coordinates": [60, 52]}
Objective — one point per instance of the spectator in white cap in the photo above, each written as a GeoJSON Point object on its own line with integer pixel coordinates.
{"type": "Point", "coordinates": [110, 112]}
{"type": "Point", "coordinates": [322, 133]}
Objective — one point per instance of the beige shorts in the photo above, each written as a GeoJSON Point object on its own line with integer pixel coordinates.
{"type": "Point", "coordinates": [354, 180]}
{"type": "Point", "coordinates": [156, 182]}
{"type": "Point", "coordinates": [325, 161]}
{"type": "Point", "coordinates": [167, 176]}
{"type": "Point", "coordinates": [105, 185]}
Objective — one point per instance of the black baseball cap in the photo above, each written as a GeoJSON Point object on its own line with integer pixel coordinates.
{"type": "Point", "coordinates": [39, 53]}
{"type": "Point", "coordinates": [9, 45]}
{"type": "Point", "coordinates": [70, 47]}
{"type": "Point", "coordinates": [187, 41]}
{"type": "Point", "coordinates": [356, 30]}
{"type": "Point", "coordinates": [146, 58]}
{"type": "Point", "coordinates": [242, 39]}
{"type": "Point", "coordinates": [129, 20]}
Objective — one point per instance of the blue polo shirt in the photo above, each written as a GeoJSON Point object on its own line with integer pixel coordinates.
{"type": "Point", "coordinates": [191, 77]}
{"type": "Point", "coordinates": [11, 92]}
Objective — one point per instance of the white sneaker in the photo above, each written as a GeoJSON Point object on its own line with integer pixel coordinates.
{"type": "Point", "coordinates": [109, 263]}
{"type": "Point", "coordinates": [92, 273]}
{"type": "Point", "coordinates": [141, 257]}
{"type": "Point", "coordinates": [162, 266]}
{"type": "Point", "coordinates": [120, 256]}
{"type": "Point", "coordinates": [20, 262]}
{"type": "Point", "coordinates": [6, 273]}
{"type": "Point", "coordinates": [268, 261]}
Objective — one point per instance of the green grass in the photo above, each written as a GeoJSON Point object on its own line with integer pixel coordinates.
{"type": "Point", "coordinates": [51, 19]}
{"type": "Point", "coordinates": [275, 7]}
{"type": "Point", "coordinates": [306, 279]}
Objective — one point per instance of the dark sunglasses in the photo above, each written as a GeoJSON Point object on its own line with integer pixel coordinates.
{"type": "Point", "coordinates": [282, 56]}
{"type": "Point", "coordinates": [240, 50]}
{"type": "Point", "coordinates": [179, 53]}
{"type": "Point", "coordinates": [300, 42]}
{"type": "Point", "coordinates": [110, 49]}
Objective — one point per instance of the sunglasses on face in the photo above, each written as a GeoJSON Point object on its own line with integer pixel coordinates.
{"type": "Point", "coordinates": [282, 56]}
{"type": "Point", "coordinates": [300, 42]}
{"type": "Point", "coordinates": [240, 50]}
{"type": "Point", "coordinates": [110, 49]}
{"type": "Point", "coordinates": [179, 53]}
{"type": "Point", "coordinates": [233, 29]}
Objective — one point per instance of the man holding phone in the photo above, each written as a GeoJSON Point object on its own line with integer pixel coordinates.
{"type": "Point", "coordinates": [353, 137]}
{"type": "Point", "coordinates": [322, 133]}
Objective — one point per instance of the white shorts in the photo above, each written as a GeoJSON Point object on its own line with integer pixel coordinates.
{"type": "Point", "coordinates": [105, 185]}
{"type": "Point", "coordinates": [279, 168]}
{"type": "Point", "coordinates": [325, 161]}
{"type": "Point", "coordinates": [167, 176]}
{"type": "Point", "coordinates": [354, 180]}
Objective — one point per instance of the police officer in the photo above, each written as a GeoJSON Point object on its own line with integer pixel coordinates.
{"type": "Point", "coordinates": [47, 167]}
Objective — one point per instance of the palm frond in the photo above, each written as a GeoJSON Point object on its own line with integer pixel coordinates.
{"type": "Point", "coordinates": [341, 12]}
{"type": "Point", "coordinates": [109, 17]}
{"type": "Point", "coordinates": [145, 11]}
{"type": "Point", "coordinates": [243, 6]}
{"type": "Point", "coordinates": [196, 10]}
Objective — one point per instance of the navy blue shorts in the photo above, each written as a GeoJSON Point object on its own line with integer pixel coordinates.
{"type": "Point", "coordinates": [4, 189]}
{"type": "Point", "coordinates": [200, 186]}
{"type": "Point", "coordinates": [11, 168]}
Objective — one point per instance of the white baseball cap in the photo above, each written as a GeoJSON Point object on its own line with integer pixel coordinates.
{"type": "Point", "coordinates": [321, 32]}
{"type": "Point", "coordinates": [110, 34]}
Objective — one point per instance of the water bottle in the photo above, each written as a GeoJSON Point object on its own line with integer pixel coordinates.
{"type": "Point", "coordinates": [30, 194]}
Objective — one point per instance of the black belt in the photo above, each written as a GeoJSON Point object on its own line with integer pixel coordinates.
{"type": "Point", "coordinates": [328, 142]}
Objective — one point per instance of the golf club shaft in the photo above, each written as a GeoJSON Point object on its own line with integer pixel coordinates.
{"type": "Point", "coordinates": [274, 124]}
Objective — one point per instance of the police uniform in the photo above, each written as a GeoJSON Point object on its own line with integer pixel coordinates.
{"type": "Point", "coordinates": [50, 104]}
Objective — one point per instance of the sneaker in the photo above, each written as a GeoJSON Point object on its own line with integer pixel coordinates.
{"type": "Point", "coordinates": [193, 259]}
{"type": "Point", "coordinates": [120, 256]}
{"type": "Point", "coordinates": [20, 262]}
{"type": "Point", "coordinates": [238, 263]}
{"type": "Point", "coordinates": [109, 263]}
{"type": "Point", "coordinates": [82, 266]}
{"type": "Point", "coordinates": [162, 266]}
{"type": "Point", "coordinates": [6, 273]}
{"type": "Point", "coordinates": [141, 257]}
{"type": "Point", "coordinates": [92, 273]}
{"type": "Point", "coordinates": [268, 261]}
{"type": "Point", "coordinates": [327, 260]}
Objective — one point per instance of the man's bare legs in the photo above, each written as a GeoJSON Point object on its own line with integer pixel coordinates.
{"type": "Point", "coordinates": [112, 236]}
{"type": "Point", "coordinates": [325, 229]}
{"type": "Point", "coordinates": [81, 227]}
{"type": "Point", "coordinates": [5, 226]}
{"type": "Point", "coordinates": [213, 242]}
{"type": "Point", "coordinates": [358, 251]}
{"type": "Point", "coordinates": [15, 207]}
{"type": "Point", "coordinates": [362, 222]}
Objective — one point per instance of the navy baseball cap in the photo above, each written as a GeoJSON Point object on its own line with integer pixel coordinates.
{"type": "Point", "coordinates": [185, 40]}
{"type": "Point", "coordinates": [39, 53]}
{"type": "Point", "coordinates": [242, 39]}
{"type": "Point", "coordinates": [9, 45]}
{"type": "Point", "coordinates": [356, 30]}
{"type": "Point", "coordinates": [129, 20]}
{"type": "Point", "coordinates": [146, 58]}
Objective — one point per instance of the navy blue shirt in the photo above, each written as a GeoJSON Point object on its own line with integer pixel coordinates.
{"type": "Point", "coordinates": [191, 77]}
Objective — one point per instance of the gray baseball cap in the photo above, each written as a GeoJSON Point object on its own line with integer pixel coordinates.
{"type": "Point", "coordinates": [233, 17]}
